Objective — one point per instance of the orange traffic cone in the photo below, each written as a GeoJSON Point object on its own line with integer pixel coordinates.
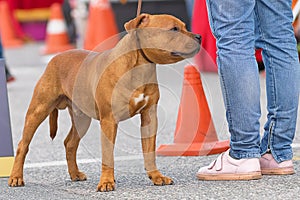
{"type": "Point", "coordinates": [7, 31]}
{"type": "Point", "coordinates": [101, 26]}
{"type": "Point", "coordinates": [57, 39]}
{"type": "Point", "coordinates": [195, 133]}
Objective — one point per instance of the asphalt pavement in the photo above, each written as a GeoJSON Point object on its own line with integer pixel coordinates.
{"type": "Point", "coordinates": [46, 175]}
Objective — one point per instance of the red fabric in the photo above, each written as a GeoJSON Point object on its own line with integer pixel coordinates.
{"type": "Point", "coordinates": [258, 55]}
{"type": "Point", "coordinates": [30, 4]}
{"type": "Point", "coordinates": [206, 59]}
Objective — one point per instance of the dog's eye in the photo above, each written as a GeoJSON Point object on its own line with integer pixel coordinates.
{"type": "Point", "coordinates": [174, 29]}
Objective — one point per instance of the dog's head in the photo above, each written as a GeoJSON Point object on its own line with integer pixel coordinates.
{"type": "Point", "coordinates": [164, 39]}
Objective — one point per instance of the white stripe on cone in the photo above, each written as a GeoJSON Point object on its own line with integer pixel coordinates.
{"type": "Point", "coordinates": [102, 4]}
{"type": "Point", "coordinates": [56, 26]}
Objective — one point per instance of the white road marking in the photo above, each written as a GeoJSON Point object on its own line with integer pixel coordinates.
{"type": "Point", "coordinates": [80, 161]}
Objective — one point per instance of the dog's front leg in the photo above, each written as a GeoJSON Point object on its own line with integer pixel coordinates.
{"type": "Point", "coordinates": [148, 131]}
{"type": "Point", "coordinates": [108, 136]}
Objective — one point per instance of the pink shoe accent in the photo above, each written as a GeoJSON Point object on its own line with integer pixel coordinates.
{"type": "Point", "coordinates": [269, 166]}
{"type": "Point", "coordinates": [228, 168]}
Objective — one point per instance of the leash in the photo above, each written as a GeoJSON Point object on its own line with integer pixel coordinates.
{"type": "Point", "coordinates": [138, 12]}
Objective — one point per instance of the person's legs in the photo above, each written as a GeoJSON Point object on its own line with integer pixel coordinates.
{"type": "Point", "coordinates": [276, 37]}
{"type": "Point", "coordinates": [232, 23]}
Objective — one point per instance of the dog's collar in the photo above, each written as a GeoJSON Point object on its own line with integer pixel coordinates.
{"type": "Point", "coordinates": [140, 48]}
{"type": "Point", "coordinates": [144, 55]}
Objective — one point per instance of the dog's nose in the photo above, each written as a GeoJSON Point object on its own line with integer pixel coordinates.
{"type": "Point", "coordinates": [198, 38]}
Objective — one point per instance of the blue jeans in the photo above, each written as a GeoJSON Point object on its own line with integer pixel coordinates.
{"type": "Point", "coordinates": [240, 26]}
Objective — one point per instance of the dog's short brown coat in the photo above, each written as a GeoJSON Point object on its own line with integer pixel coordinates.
{"type": "Point", "coordinates": [110, 86]}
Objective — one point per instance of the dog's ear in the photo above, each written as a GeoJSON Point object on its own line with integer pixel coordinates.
{"type": "Point", "coordinates": [140, 21]}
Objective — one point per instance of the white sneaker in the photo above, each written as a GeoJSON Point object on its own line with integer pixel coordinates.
{"type": "Point", "coordinates": [228, 168]}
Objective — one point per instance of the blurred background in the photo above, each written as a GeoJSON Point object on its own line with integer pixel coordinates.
{"type": "Point", "coordinates": [28, 19]}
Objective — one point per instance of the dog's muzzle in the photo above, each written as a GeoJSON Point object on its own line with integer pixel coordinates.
{"type": "Point", "coordinates": [195, 48]}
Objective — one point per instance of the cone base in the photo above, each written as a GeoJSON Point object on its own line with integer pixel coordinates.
{"type": "Point", "coordinates": [12, 43]}
{"type": "Point", "coordinates": [195, 149]}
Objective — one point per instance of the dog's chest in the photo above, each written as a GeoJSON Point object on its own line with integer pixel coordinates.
{"type": "Point", "coordinates": [140, 102]}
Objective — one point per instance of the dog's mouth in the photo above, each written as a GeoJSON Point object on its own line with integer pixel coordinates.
{"type": "Point", "coordinates": [184, 54]}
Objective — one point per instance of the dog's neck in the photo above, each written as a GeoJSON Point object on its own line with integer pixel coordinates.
{"type": "Point", "coordinates": [138, 43]}
{"type": "Point", "coordinates": [129, 43]}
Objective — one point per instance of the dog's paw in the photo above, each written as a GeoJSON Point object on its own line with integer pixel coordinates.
{"type": "Point", "coordinates": [162, 180]}
{"type": "Point", "coordinates": [106, 186]}
{"type": "Point", "coordinates": [158, 179]}
{"type": "Point", "coordinates": [15, 181]}
{"type": "Point", "coordinates": [79, 176]}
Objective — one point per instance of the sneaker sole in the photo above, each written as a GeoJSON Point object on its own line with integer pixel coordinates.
{"type": "Point", "coordinates": [229, 177]}
{"type": "Point", "coordinates": [278, 171]}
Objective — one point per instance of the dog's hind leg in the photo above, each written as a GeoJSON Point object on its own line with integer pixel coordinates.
{"type": "Point", "coordinates": [148, 131]}
{"type": "Point", "coordinates": [80, 125]}
{"type": "Point", "coordinates": [40, 107]}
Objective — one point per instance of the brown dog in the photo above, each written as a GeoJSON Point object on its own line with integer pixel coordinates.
{"type": "Point", "coordinates": [110, 86]}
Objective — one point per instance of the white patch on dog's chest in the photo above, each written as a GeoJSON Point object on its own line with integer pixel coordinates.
{"type": "Point", "coordinates": [139, 99]}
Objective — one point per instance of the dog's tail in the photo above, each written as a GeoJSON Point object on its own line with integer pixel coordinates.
{"type": "Point", "coordinates": [53, 123]}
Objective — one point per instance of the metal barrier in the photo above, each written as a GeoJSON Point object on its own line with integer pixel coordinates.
{"type": "Point", "coordinates": [6, 145]}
